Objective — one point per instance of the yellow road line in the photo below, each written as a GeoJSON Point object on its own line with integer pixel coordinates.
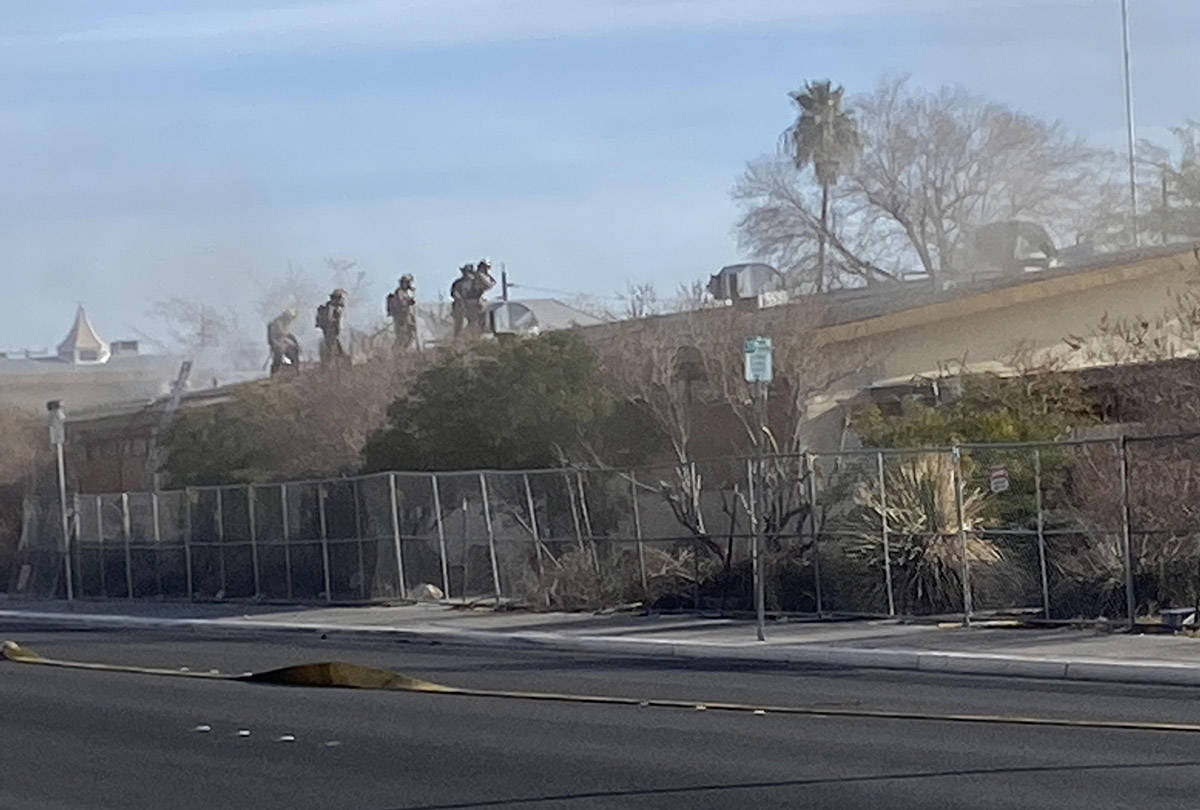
{"type": "Point", "coordinates": [353, 676]}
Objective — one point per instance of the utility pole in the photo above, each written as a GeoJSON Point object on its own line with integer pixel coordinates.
{"type": "Point", "coordinates": [503, 282]}
{"type": "Point", "coordinates": [1129, 130]}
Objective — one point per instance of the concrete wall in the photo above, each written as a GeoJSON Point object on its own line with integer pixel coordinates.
{"type": "Point", "coordinates": [985, 329]}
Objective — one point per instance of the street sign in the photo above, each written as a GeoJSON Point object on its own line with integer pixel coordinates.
{"type": "Point", "coordinates": [58, 422]}
{"type": "Point", "coordinates": [999, 480]}
{"type": "Point", "coordinates": [758, 359]}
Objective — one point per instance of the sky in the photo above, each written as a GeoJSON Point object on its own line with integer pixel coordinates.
{"type": "Point", "coordinates": [161, 148]}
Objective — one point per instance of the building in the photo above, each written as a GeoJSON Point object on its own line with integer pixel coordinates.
{"type": "Point", "coordinates": [84, 370]}
{"type": "Point", "coordinates": [911, 332]}
{"type": "Point", "coordinates": [915, 331]}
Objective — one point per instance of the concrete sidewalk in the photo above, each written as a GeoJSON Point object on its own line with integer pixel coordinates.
{"type": "Point", "coordinates": [1043, 653]}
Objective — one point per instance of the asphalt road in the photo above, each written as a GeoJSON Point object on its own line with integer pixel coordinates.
{"type": "Point", "coordinates": [74, 739]}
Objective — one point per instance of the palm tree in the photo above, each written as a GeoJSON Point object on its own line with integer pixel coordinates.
{"type": "Point", "coordinates": [826, 136]}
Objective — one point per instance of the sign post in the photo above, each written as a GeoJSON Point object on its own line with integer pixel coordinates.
{"type": "Point", "coordinates": [58, 437]}
{"type": "Point", "coordinates": [758, 373]}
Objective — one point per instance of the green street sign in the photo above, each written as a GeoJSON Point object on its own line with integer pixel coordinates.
{"type": "Point", "coordinates": [758, 359]}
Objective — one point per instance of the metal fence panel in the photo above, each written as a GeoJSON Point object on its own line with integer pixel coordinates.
{"type": "Point", "coordinates": [721, 563]}
{"type": "Point", "coordinates": [274, 559]}
{"type": "Point", "coordinates": [420, 519]}
{"type": "Point", "coordinates": [910, 532]}
{"type": "Point", "coordinates": [669, 515]}
{"type": "Point", "coordinates": [1066, 529]}
{"type": "Point", "coordinates": [113, 569]}
{"type": "Point", "coordinates": [172, 554]}
{"type": "Point", "coordinates": [1164, 521]}
{"type": "Point", "coordinates": [88, 547]}
{"type": "Point", "coordinates": [559, 572]}
{"type": "Point", "coordinates": [305, 546]}
{"type": "Point", "coordinates": [849, 542]}
{"type": "Point", "coordinates": [143, 545]}
{"type": "Point", "coordinates": [466, 526]}
{"type": "Point", "coordinates": [1082, 523]}
{"type": "Point", "coordinates": [1000, 512]}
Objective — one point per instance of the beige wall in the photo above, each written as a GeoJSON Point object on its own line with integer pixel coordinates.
{"type": "Point", "coordinates": [986, 328]}
{"type": "Point", "coordinates": [991, 336]}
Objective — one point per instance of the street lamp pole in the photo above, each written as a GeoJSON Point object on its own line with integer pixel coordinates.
{"type": "Point", "coordinates": [1129, 130]}
{"type": "Point", "coordinates": [58, 435]}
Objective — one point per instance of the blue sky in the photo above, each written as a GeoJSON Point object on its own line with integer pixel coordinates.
{"type": "Point", "coordinates": [196, 148]}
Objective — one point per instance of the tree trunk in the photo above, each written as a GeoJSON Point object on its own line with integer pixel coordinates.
{"type": "Point", "coordinates": [821, 237]}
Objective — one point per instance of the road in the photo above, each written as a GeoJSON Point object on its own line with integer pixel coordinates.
{"type": "Point", "coordinates": [76, 739]}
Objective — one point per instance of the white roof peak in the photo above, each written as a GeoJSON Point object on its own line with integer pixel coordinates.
{"type": "Point", "coordinates": [82, 345]}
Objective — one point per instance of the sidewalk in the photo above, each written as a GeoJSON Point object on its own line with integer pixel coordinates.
{"type": "Point", "coordinates": [1044, 653]}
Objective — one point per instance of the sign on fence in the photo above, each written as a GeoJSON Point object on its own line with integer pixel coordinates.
{"type": "Point", "coordinates": [999, 479]}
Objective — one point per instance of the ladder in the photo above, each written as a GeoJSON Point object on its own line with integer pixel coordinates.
{"type": "Point", "coordinates": [154, 453]}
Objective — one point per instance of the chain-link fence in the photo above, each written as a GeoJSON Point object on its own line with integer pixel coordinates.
{"type": "Point", "coordinates": [1058, 530]}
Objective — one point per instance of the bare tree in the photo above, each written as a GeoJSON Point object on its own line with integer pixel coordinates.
{"type": "Point", "coordinates": [194, 326]}
{"type": "Point", "coordinates": [1169, 181]}
{"type": "Point", "coordinates": [933, 166]}
{"type": "Point", "coordinates": [781, 224]}
{"type": "Point", "coordinates": [679, 368]}
{"type": "Point", "coordinates": [294, 289]}
{"type": "Point", "coordinates": [640, 300]}
{"type": "Point", "coordinates": [691, 296]}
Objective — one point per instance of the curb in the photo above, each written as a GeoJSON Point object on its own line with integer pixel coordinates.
{"type": "Point", "coordinates": [958, 663]}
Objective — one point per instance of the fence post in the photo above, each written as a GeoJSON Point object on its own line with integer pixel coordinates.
{"type": "Point", "coordinates": [637, 534]}
{"type": "Point", "coordinates": [883, 528]}
{"type": "Point", "coordinates": [187, 539]}
{"type": "Point", "coordinates": [125, 532]}
{"type": "Point", "coordinates": [287, 540]}
{"type": "Point", "coordinates": [103, 553]}
{"type": "Point", "coordinates": [1041, 529]}
{"type": "Point", "coordinates": [358, 539]}
{"type": "Point", "coordinates": [574, 511]}
{"type": "Point", "coordinates": [757, 585]}
{"type": "Point", "coordinates": [75, 550]}
{"type": "Point", "coordinates": [487, 520]}
{"type": "Point", "coordinates": [253, 526]}
{"type": "Point", "coordinates": [694, 495]}
{"type": "Point", "coordinates": [811, 471]}
{"type": "Point", "coordinates": [537, 540]}
{"type": "Point", "coordinates": [465, 556]}
{"type": "Point", "coordinates": [1127, 535]}
{"type": "Point", "coordinates": [441, 532]}
{"type": "Point", "coordinates": [956, 453]}
{"type": "Point", "coordinates": [591, 534]}
{"type": "Point", "coordinates": [392, 500]}
{"type": "Point", "coordinates": [324, 540]}
{"type": "Point", "coordinates": [157, 537]}
{"type": "Point", "coordinates": [221, 541]}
